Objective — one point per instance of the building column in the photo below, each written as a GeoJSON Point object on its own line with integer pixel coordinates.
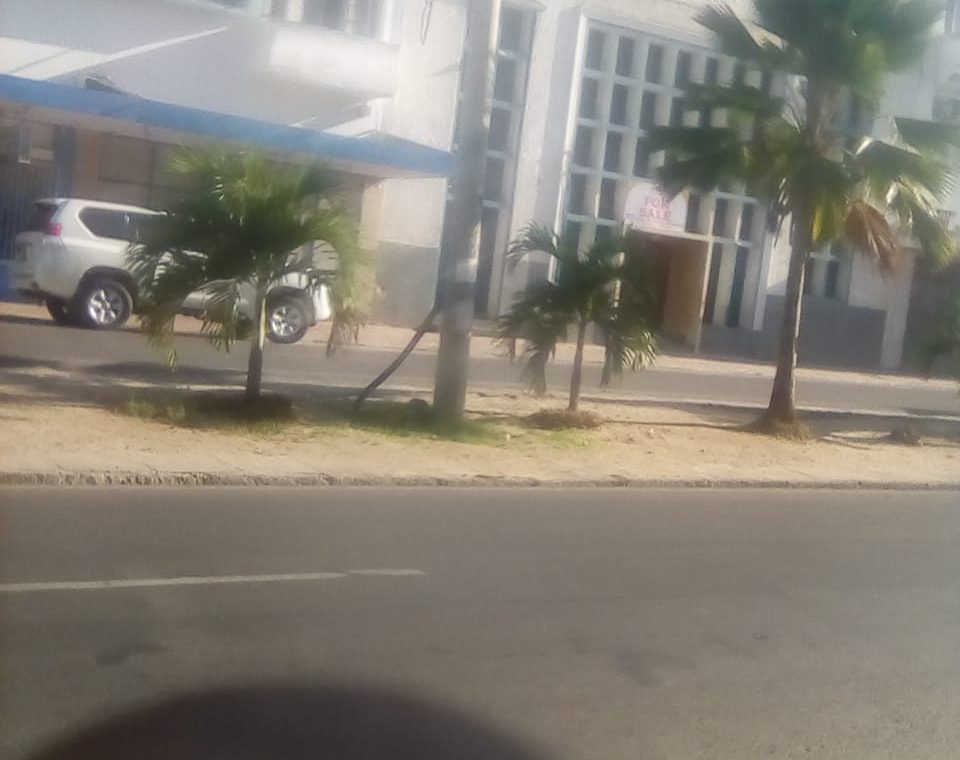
{"type": "Point", "coordinates": [86, 166]}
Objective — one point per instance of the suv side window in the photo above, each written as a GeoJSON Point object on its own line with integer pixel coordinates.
{"type": "Point", "coordinates": [106, 223]}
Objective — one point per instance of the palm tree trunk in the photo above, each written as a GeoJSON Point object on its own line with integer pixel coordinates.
{"type": "Point", "coordinates": [577, 377]}
{"type": "Point", "coordinates": [255, 362]}
{"type": "Point", "coordinates": [782, 409]}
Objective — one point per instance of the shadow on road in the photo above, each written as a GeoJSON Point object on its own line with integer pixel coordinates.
{"type": "Point", "coordinates": [293, 723]}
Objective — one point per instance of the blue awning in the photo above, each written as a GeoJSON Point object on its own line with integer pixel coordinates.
{"type": "Point", "coordinates": [378, 154]}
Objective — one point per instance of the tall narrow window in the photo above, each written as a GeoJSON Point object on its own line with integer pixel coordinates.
{"type": "Point", "coordinates": [654, 70]}
{"type": "Point", "coordinates": [595, 50]}
{"type": "Point", "coordinates": [684, 64]}
{"type": "Point", "coordinates": [625, 56]}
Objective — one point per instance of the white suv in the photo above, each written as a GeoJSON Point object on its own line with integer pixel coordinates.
{"type": "Point", "coordinates": [72, 256]}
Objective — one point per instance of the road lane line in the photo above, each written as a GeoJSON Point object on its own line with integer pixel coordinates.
{"type": "Point", "coordinates": [212, 580]}
{"type": "Point", "coordinates": [391, 572]}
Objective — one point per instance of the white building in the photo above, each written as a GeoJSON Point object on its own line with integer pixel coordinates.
{"type": "Point", "coordinates": [577, 86]}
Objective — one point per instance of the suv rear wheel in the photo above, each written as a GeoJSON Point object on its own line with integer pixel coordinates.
{"type": "Point", "coordinates": [104, 304]}
{"type": "Point", "coordinates": [287, 319]}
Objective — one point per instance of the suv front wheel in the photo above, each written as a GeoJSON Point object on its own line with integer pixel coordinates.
{"type": "Point", "coordinates": [104, 304]}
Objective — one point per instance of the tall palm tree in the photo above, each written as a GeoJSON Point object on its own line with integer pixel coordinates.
{"type": "Point", "coordinates": [824, 180]}
{"type": "Point", "coordinates": [601, 286]}
{"type": "Point", "coordinates": [242, 224]}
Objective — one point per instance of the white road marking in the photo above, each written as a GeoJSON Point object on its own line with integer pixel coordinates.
{"type": "Point", "coordinates": [394, 572]}
{"type": "Point", "coordinates": [199, 580]}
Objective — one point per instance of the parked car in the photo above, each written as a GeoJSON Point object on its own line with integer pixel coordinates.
{"type": "Point", "coordinates": [72, 257]}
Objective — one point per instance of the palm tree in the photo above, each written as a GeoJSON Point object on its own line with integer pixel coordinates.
{"type": "Point", "coordinates": [602, 286]}
{"type": "Point", "coordinates": [243, 224]}
{"type": "Point", "coordinates": [824, 181]}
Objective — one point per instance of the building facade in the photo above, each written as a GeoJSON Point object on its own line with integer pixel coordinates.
{"type": "Point", "coordinates": [577, 86]}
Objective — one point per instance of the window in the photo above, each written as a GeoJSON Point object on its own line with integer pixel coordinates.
{"type": "Point", "coordinates": [648, 110]}
{"type": "Point", "coordinates": [618, 105]}
{"type": "Point", "coordinates": [684, 63]}
{"type": "Point", "coordinates": [641, 159]}
{"type": "Point", "coordinates": [611, 154]}
{"type": "Point", "coordinates": [106, 223]}
{"type": "Point", "coordinates": [504, 85]}
{"type": "Point", "coordinates": [589, 92]}
{"type": "Point", "coordinates": [720, 218]}
{"type": "Point", "coordinates": [693, 213]}
{"type": "Point", "coordinates": [713, 283]}
{"type": "Point", "coordinates": [625, 57]}
{"type": "Point", "coordinates": [712, 73]}
{"type": "Point", "coordinates": [511, 29]}
{"type": "Point", "coordinates": [826, 273]}
{"type": "Point", "coordinates": [677, 110]}
{"type": "Point", "coordinates": [654, 70]}
{"type": "Point", "coordinates": [577, 195]}
{"type": "Point", "coordinates": [736, 290]}
{"type": "Point", "coordinates": [499, 129]}
{"type": "Point", "coordinates": [746, 222]}
{"type": "Point", "coordinates": [608, 199]}
{"type": "Point", "coordinates": [489, 218]}
{"type": "Point", "coordinates": [583, 148]}
{"type": "Point", "coordinates": [493, 179]}
{"type": "Point", "coordinates": [595, 50]}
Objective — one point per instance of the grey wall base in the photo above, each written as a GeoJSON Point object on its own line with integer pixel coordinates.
{"type": "Point", "coordinates": [832, 334]}
{"type": "Point", "coordinates": [406, 284]}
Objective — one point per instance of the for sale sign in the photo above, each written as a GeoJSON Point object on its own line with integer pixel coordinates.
{"type": "Point", "coordinates": [648, 208]}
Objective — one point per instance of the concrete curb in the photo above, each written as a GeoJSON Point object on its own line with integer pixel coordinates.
{"type": "Point", "coordinates": [107, 478]}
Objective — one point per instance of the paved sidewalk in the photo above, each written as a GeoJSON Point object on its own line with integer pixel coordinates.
{"type": "Point", "coordinates": [384, 337]}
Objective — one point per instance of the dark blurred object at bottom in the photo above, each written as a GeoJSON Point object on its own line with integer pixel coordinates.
{"type": "Point", "coordinates": [290, 723]}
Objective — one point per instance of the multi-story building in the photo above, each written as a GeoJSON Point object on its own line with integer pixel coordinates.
{"type": "Point", "coordinates": [372, 85]}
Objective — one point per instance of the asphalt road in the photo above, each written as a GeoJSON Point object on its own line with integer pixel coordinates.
{"type": "Point", "coordinates": [126, 354]}
{"type": "Point", "coordinates": [602, 625]}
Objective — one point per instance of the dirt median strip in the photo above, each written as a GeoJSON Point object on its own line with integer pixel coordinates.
{"type": "Point", "coordinates": [111, 478]}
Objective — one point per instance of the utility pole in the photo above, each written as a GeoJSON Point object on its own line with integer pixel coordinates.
{"type": "Point", "coordinates": [459, 270]}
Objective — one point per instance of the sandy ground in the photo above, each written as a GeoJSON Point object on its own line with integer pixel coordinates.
{"type": "Point", "coordinates": [59, 423]}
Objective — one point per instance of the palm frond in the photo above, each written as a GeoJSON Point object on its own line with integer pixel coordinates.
{"type": "Point", "coordinates": [701, 157]}
{"type": "Point", "coordinates": [919, 213]}
{"type": "Point", "coordinates": [869, 232]}
{"type": "Point", "coordinates": [223, 322]}
{"type": "Point", "coordinates": [934, 137]}
{"type": "Point", "coordinates": [540, 318]}
{"type": "Point", "coordinates": [885, 166]}
{"type": "Point", "coordinates": [535, 238]}
{"type": "Point", "coordinates": [737, 97]}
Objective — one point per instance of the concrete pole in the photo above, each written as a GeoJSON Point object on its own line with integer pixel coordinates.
{"type": "Point", "coordinates": [459, 270]}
